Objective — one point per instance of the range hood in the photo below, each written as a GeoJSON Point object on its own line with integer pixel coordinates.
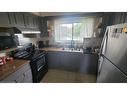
{"type": "Point", "coordinates": [29, 31]}
{"type": "Point", "coordinates": [7, 31]}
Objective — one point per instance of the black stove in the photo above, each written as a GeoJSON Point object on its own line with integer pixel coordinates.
{"type": "Point", "coordinates": [26, 52]}
{"type": "Point", "coordinates": [38, 60]}
{"type": "Point", "coordinates": [39, 66]}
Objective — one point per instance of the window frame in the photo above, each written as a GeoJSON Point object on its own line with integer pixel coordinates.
{"type": "Point", "coordinates": [72, 32]}
{"type": "Point", "coordinates": [71, 21]}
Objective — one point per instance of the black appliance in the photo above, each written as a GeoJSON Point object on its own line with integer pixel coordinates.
{"type": "Point", "coordinates": [39, 66]}
{"type": "Point", "coordinates": [40, 44]}
{"type": "Point", "coordinates": [26, 52]}
{"type": "Point", "coordinates": [113, 55]}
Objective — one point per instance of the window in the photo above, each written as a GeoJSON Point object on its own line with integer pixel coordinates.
{"type": "Point", "coordinates": [77, 30]}
{"type": "Point", "coordinates": [73, 29]}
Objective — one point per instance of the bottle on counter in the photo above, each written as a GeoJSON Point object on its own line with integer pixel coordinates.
{"type": "Point", "coordinates": [2, 58]}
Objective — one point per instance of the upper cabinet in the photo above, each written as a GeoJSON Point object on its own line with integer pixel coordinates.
{"type": "Point", "coordinates": [36, 21]}
{"type": "Point", "coordinates": [18, 19]}
{"type": "Point", "coordinates": [31, 21]}
{"type": "Point", "coordinates": [4, 20]}
{"type": "Point", "coordinates": [12, 21]}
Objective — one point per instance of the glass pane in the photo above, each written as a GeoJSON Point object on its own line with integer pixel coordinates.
{"type": "Point", "coordinates": [65, 32]}
{"type": "Point", "coordinates": [77, 27]}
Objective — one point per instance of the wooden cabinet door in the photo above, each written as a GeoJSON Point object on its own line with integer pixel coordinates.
{"type": "Point", "coordinates": [27, 77]}
{"type": "Point", "coordinates": [4, 20]}
{"type": "Point", "coordinates": [28, 20]}
{"type": "Point", "coordinates": [54, 60]}
{"type": "Point", "coordinates": [89, 64]}
{"type": "Point", "coordinates": [35, 22]}
{"type": "Point", "coordinates": [31, 21]}
{"type": "Point", "coordinates": [11, 19]}
{"type": "Point", "coordinates": [19, 19]}
{"type": "Point", "coordinates": [70, 61]}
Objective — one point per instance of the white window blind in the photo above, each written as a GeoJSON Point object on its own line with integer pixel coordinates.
{"type": "Point", "coordinates": [73, 29]}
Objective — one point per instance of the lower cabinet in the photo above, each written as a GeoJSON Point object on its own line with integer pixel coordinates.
{"type": "Point", "coordinates": [89, 64]}
{"type": "Point", "coordinates": [23, 75]}
{"type": "Point", "coordinates": [73, 61]}
{"type": "Point", "coordinates": [54, 61]}
{"type": "Point", "coordinates": [69, 61]}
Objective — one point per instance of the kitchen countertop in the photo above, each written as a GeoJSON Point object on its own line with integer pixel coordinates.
{"type": "Point", "coordinates": [8, 50]}
{"type": "Point", "coordinates": [10, 67]}
{"type": "Point", "coordinates": [65, 50]}
{"type": "Point", "coordinates": [58, 49]}
{"type": "Point", "coordinates": [52, 49]}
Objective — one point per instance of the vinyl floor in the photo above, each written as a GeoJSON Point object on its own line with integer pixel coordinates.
{"type": "Point", "coordinates": [61, 76]}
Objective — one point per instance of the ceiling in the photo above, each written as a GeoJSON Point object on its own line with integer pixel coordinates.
{"type": "Point", "coordinates": [56, 13]}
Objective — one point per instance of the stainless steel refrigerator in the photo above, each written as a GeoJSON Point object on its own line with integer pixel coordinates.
{"type": "Point", "coordinates": [113, 55]}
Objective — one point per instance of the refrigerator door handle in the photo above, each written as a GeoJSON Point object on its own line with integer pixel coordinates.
{"type": "Point", "coordinates": [101, 59]}
{"type": "Point", "coordinates": [101, 56]}
{"type": "Point", "coordinates": [103, 41]}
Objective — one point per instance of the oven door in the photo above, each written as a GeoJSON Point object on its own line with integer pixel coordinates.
{"type": "Point", "coordinates": [40, 63]}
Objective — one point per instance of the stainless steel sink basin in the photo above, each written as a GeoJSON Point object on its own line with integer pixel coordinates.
{"type": "Point", "coordinates": [72, 50]}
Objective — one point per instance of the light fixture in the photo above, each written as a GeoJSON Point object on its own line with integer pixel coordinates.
{"type": "Point", "coordinates": [31, 32]}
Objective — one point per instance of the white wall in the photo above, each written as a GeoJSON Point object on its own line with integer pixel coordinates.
{"type": "Point", "coordinates": [23, 40]}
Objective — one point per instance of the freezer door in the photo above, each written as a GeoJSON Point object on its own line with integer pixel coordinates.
{"type": "Point", "coordinates": [110, 74]}
{"type": "Point", "coordinates": [115, 48]}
